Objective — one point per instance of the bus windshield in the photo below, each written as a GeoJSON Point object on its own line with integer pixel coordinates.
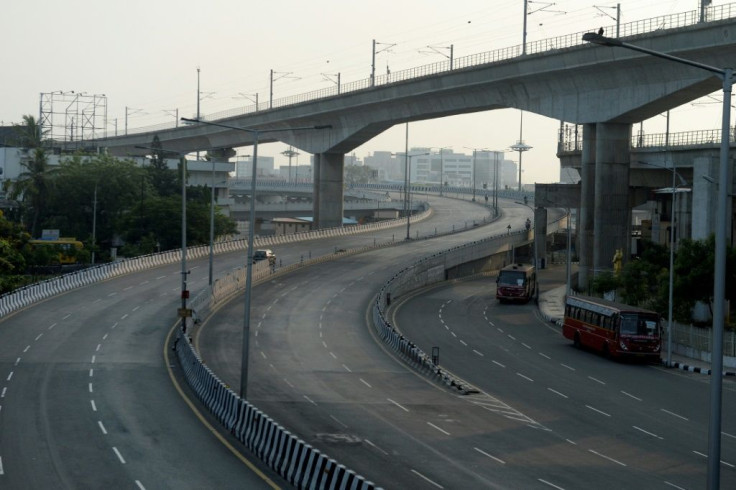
{"type": "Point", "coordinates": [511, 278]}
{"type": "Point", "coordinates": [637, 324]}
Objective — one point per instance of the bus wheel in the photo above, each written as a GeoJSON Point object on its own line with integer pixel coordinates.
{"type": "Point", "coordinates": [576, 340]}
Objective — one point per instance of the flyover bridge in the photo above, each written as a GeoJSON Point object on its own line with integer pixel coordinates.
{"type": "Point", "coordinates": [606, 90]}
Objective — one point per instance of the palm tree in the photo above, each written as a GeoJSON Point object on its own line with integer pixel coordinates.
{"type": "Point", "coordinates": [33, 184]}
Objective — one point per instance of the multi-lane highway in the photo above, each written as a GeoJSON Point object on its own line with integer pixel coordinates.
{"type": "Point", "coordinates": [546, 415]}
{"type": "Point", "coordinates": [86, 400]}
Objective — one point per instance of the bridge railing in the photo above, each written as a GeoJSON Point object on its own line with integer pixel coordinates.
{"type": "Point", "coordinates": [572, 141]}
{"type": "Point", "coordinates": [671, 21]}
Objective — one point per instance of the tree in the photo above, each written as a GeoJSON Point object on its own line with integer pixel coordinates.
{"type": "Point", "coordinates": [163, 179]}
{"type": "Point", "coordinates": [34, 183]}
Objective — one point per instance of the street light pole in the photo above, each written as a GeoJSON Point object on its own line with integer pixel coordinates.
{"type": "Point", "coordinates": [212, 222]}
{"type": "Point", "coordinates": [251, 237]}
{"type": "Point", "coordinates": [726, 75]}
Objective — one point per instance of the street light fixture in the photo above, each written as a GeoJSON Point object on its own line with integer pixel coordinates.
{"type": "Point", "coordinates": [251, 234]}
{"type": "Point", "coordinates": [674, 190]}
{"type": "Point", "coordinates": [726, 75]}
{"type": "Point", "coordinates": [183, 313]}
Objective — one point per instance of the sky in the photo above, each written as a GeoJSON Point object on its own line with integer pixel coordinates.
{"type": "Point", "coordinates": [144, 56]}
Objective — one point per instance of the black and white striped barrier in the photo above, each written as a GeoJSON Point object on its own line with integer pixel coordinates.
{"type": "Point", "coordinates": [296, 461]}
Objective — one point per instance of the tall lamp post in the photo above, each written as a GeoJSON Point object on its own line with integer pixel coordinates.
{"type": "Point", "coordinates": [408, 190]}
{"type": "Point", "coordinates": [674, 190]}
{"type": "Point", "coordinates": [251, 234]}
{"type": "Point", "coordinates": [726, 75]}
{"type": "Point", "coordinates": [183, 313]}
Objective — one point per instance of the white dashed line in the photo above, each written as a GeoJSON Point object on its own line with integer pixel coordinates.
{"type": "Point", "coordinates": [489, 456]}
{"type": "Point", "coordinates": [438, 428]}
{"type": "Point", "coordinates": [426, 479]}
{"type": "Point", "coordinates": [39, 336]}
{"type": "Point", "coordinates": [52, 326]}
{"type": "Point", "coordinates": [599, 411]}
{"type": "Point", "coordinates": [525, 377]}
{"type": "Point", "coordinates": [94, 407]}
{"type": "Point", "coordinates": [10, 375]}
{"type": "Point", "coordinates": [557, 393]}
{"type": "Point", "coordinates": [104, 337]}
{"type": "Point", "coordinates": [545, 356]}
{"type": "Point", "coordinates": [90, 388]}
{"type": "Point", "coordinates": [91, 372]}
{"type": "Point", "coordinates": [2, 472]}
{"type": "Point", "coordinates": [26, 349]}
{"type": "Point", "coordinates": [674, 414]}
{"type": "Point", "coordinates": [347, 368]}
{"type": "Point", "coordinates": [464, 343]}
{"type": "Point", "coordinates": [66, 316]}
{"type": "Point", "coordinates": [632, 396]}
{"type": "Point", "coordinates": [606, 457]}
{"type": "Point", "coordinates": [17, 361]}
{"type": "Point", "coordinates": [338, 421]}
{"type": "Point", "coordinates": [309, 400]}
{"type": "Point", "coordinates": [333, 355]}
{"type": "Point", "coordinates": [550, 484]}
{"type": "Point", "coordinates": [478, 352]}
{"type": "Point", "coordinates": [374, 446]}
{"type": "Point", "coordinates": [647, 432]}
{"type": "Point", "coordinates": [398, 405]}
{"type": "Point", "coordinates": [140, 485]}
{"type": "Point", "coordinates": [365, 382]}
{"type": "Point", "coordinates": [596, 380]}
{"type": "Point", "coordinates": [102, 427]}
{"type": "Point", "coordinates": [124, 317]}
{"type": "Point", "coordinates": [120, 456]}
{"type": "Point", "coordinates": [93, 359]}
{"type": "Point", "coordinates": [526, 345]}
{"type": "Point", "coordinates": [324, 344]}
{"type": "Point", "coordinates": [2, 394]}
{"type": "Point", "coordinates": [99, 346]}
{"type": "Point", "coordinates": [568, 367]}
{"type": "Point", "coordinates": [498, 364]}
{"type": "Point", "coordinates": [263, 354]}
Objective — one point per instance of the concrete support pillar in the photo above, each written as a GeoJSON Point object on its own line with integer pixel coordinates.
{"type": "Point", "coordinates": [612, 215]}
{"type": "Point", "coordinates": [540, 237]}
{"type": "Point", "coordinates": [328, 190]}
{"type": "Point", "coordinates": [587, 206]}
{"type": "Point", "coordinates": [704, 197]}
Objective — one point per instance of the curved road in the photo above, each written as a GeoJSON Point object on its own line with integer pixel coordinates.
{"type": "Point", "coordinates": [635, 425]}
{"type": "Point", "coordinates": [86, 400]}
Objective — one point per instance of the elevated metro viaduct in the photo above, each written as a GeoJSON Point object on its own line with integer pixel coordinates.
{"type": "Point", "coordinates": [604, 89]}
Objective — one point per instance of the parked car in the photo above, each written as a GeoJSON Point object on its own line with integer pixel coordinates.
{"type": "Point", "coordinates": [263, 254]}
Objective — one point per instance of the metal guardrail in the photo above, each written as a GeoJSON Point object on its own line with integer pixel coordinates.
{"type": "Point", "coordinates": [672, 21]}
{"type": "Point", "coordinates": [571, 141]}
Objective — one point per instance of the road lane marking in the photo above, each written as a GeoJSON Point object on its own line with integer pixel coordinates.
{"type": "Point", "coordinates": [596, 380]}
{"type": "Point", "coordinates": [545, 356]}
{"type": "Point", "coordinates": [102, 427]}
{"type": "Point", "coordinates": [309, 400]}
{"type": "Point", "coordinates": [2, 472]}
{"type": "Point", "coordinates": [498, 364]}
{"type": "Point", "coordinates": [99, 346]}
{"type": "Point", "coordinates": [94, 407]}
{"type": "Point", "coordinates": [526, 345]}
{"type": "Point", "coordinates": [397, 404]}
{"type": "Point", "coordinates": [674, 486]}
{"type": "Point", "coordinates": [550, 484]}
{"type": "Point", "coordinates": [557, 393]}
{"type": "Point", "coordinates": [26, 349]}
{"type": "Point", "coordinates": [17, 361]}
{"type": "Point", "coordinates": [464, 343]}
{"type": "Point", "coordinates": [93, 359]}
{"type": "Point", "coordinates": [512, 337]}
{"type": "Point", "coordinates": [647, 432]}
{"type": "Point", "coordinates": [568, 367]}
{"type": "Point", "coordinates": [104, 337]}
{"type": "Point", "coordinates": [373, 445]}
{"type": "Point", "coordinates": [120, 456]}
{"type": "Point", "coordinates": [488, 455]}
{"type": "Point", "coordinates": [438, 428]}
{"type": "Point", "coordinates": [52, 326]}
{"type": "Point", "coordinates": [632, 396]}
{"type": "Point", "coordinates": [338, 421]}
{"type": "Point", "coordinates": [90, 387]}
{"type": "Point", "coordinates": [5, 389]}
{"type": "Point", "coordinates": [347, 368]}
{"type": "Point", "coordinates": [39, 336]}
{"type": "Point", "coordinates": [674, 414]}
{"type": "Point", "coordinates": [525, 377]}
{"type": "Point", "coordinates": [599, 411]}
{"type": "Point", "coordinates": [91, 372]}
{"type": "Point", "coordinates": [365, 382]}
{"type": "Point", "coordinates": [606, 457]}
{"type": "Point", "coordinates": [426, 479]}
{"type": "Point", "coordinates": [140, 485]}
{"type": "Point", "coordinates": [333, 355]}
{"type": "Point", "coordinates": [10, 376]}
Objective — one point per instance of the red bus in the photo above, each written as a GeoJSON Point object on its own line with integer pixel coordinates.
{"type": "Point", "coordinates": [516, 282]}
{"type": "Point", "coordinates": [615, 329]}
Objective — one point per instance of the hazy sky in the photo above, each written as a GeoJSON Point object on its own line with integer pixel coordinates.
{"type": "Point", "coordinates": [145, 55]}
